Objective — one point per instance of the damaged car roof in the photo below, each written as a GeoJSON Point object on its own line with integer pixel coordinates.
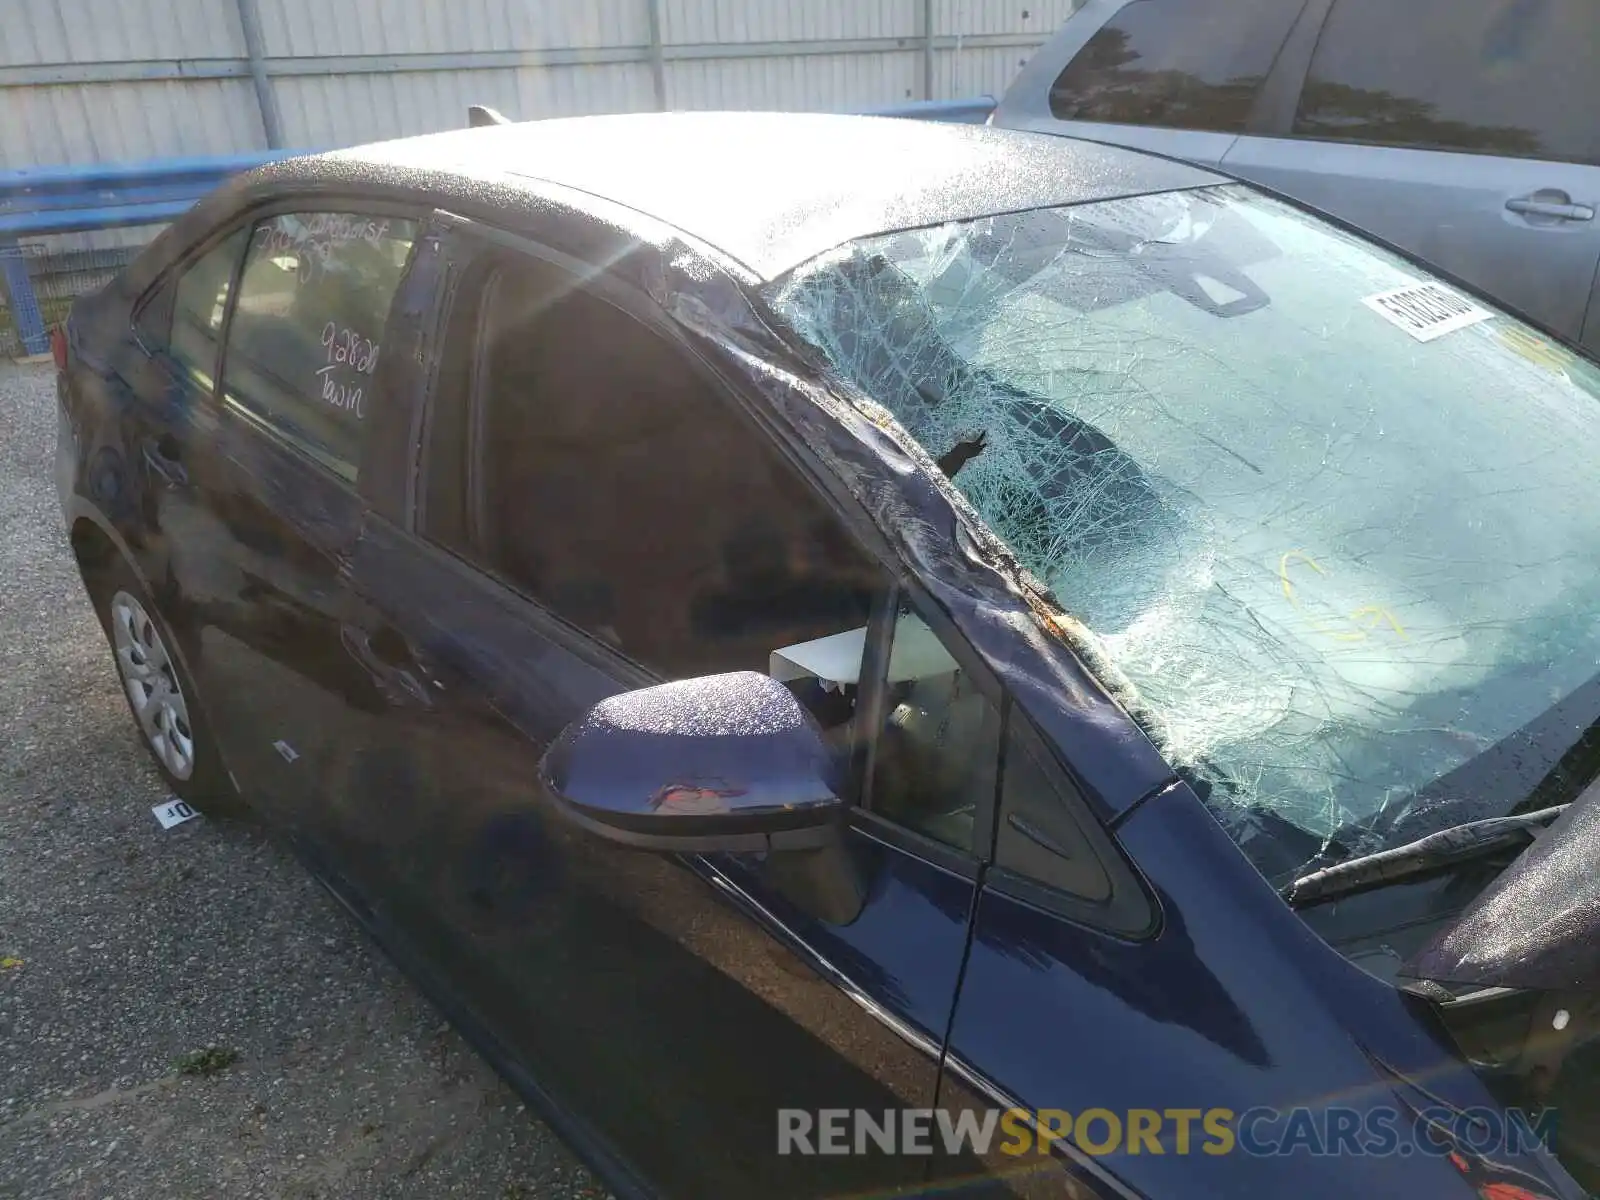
{"type": "Point", "coordinates": [772, 190]}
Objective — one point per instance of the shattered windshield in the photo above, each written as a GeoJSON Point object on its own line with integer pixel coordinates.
{"type": "Point", "coordinates": [1330, 519]}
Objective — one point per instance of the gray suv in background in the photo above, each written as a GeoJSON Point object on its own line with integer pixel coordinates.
{"type": "Point", "coordinates": [1465, 131]}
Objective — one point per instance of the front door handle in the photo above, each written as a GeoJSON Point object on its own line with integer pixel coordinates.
{"type": "Point", "coordinates": [385, 656]}
{"type": "Point", "coordinates": [1552, 203]}
{"type": "Point", "coordinates": [161, 456]}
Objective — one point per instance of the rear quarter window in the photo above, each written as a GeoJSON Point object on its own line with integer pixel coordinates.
{"type": "Point", "coordinates": [1191, 65]}
{"type": "Point", "coordinates": [192, 307]}
{"type": "Point", "coordinates": [182, 315]}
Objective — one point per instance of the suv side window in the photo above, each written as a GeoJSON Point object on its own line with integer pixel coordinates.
{"type": "Point", "coordinates": [1509, 77]}
{"type": "Point", "coordinates": [937, 754]}
{"type": "Point", "coordinates": [305, 335]}
{"type": "Point", "coordinates": [610, 481]}
{"type": "Point", "coordinates": [1194, 64]}
{"type": "Point", "coordinates": [185, 316]}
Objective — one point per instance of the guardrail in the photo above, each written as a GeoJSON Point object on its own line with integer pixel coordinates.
{"type": "Point", "coordinates": [39, 201]}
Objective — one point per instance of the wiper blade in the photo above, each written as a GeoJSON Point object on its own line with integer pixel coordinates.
{"type": "Point", "coordinates": [1459, 843]}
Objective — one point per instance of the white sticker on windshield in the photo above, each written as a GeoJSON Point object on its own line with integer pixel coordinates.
{"type": "Point", "coordinates": [1426, 310]}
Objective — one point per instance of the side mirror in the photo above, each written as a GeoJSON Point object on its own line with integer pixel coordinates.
{"type": "Point", "coordinates": [722, 763]}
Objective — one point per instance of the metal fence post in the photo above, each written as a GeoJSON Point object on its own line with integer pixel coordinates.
{"type": "Point", "coordinates": [25, 312]}
{"type": "Point", "coordinates": [658, 54]}
{"type": "Point", "coordinates": [255, 51]}
{"type": "Point", "coordinates": [927, 49]}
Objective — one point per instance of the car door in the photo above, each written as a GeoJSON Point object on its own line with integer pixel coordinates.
{"type": "Point", "coordinates": [149, 468]}
{"type": "Point", "coordinates": [1462, 132]}
{"type": "Point", "coordinates": [1179, 79]}
{"type": "Point", "coordinates": [596, 514]}
{"type": "Point", "coordinates": [271, 463]}
{"type": "Point", "coordinates": [166, 379]}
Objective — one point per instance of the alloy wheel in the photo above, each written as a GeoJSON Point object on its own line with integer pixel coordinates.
{"type": "Point", "coordinates": [151, 681]}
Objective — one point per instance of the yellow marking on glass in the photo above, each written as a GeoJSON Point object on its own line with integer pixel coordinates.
{"type": "Point", "coordinates": [1368, 616]}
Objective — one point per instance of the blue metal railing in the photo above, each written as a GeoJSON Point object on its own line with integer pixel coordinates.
{"type": "Point", "coordinates": [43, 200]}
{"type": "Point", "coordinates": [35, 202]}
{"type": "Point", "coordinates": [38, 201]}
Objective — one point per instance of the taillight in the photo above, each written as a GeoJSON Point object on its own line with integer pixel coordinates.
{"type": "Point", "coordinates": [58, 346]}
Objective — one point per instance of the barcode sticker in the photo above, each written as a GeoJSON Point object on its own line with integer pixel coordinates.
{"type": "Point", "coordinates": [1426, 310]}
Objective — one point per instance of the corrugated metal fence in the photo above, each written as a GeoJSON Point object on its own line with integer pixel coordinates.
{"type": "Point", "coordinates": [107, 80]}
{"type": "Point", "coordinates": [37, 203]}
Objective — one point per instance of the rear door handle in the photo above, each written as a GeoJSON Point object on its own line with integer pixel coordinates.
{"type": "Point", "coordinates": [1550, 203]}
{"type": "Point", "coordinates": [161, 456]}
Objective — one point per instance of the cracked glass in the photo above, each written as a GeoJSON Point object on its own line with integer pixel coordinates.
{"type": "Point", "coordinates": [1347, 579]}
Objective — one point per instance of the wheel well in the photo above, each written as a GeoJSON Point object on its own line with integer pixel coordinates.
{"type": "Point", "coordinates": [93, 549]}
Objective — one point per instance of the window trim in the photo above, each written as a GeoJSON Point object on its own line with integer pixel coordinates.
{"type": "Point", "coordinates": [486, 275]}
{"type": "Point", "coordinates": [904, 840]}
{"type": "Point", "coordinates": [1276, 103]}
{"type": "Point", "coordinates": [577, 642]}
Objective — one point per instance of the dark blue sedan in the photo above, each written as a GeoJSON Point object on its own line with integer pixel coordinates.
{"type": "Point", "coordinates": [855, 657]}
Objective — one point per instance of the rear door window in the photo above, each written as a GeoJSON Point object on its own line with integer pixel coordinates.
{"type": "Point", "coordinates": [1197, 64]}
{"type": "Point", "coordinates": [307, 330]}
{"type": "Point", "coordinates": [1505, 77]}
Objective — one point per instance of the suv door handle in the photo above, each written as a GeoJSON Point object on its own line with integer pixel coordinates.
{"type": "Point", "coordinates": [1550, 202]}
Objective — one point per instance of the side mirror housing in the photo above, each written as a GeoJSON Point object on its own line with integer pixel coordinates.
{"type": "Point", "coordinates": [721, 763]}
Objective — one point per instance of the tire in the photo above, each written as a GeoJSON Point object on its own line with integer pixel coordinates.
{"type": "Point", "coordinates": [161, 696]}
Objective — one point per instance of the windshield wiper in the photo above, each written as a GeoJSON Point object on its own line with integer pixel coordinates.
{"type": "Point", "coordinates": [1458, 844]}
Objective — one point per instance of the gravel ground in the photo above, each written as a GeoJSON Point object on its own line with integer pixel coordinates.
{"type": "Point", "coordinates": [124, 949]}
